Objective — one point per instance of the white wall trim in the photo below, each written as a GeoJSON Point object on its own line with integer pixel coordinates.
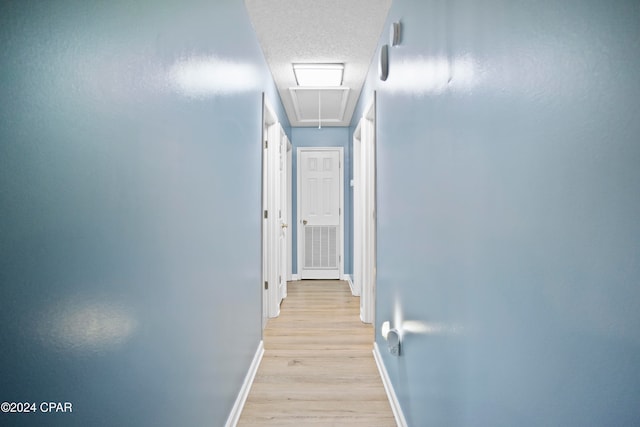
{"type": "Point", "coordinates": [391, 394]}
{"type": "Point", "coordinates": [349, 279]}
{"type": "Point", "coordinates": [234, 416]}
{"type": "Point", "coordinates": [295, 277]}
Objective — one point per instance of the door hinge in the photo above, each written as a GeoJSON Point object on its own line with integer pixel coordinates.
{"type": "Point", "coordinates": [266, 144]}
{"type": "Point", "coordinates": [266, 285]}
{"type": "Point", "coordinates": [339, 211]}
{"type": "Point", "coordinates": [280, 279]}
{"type": "Point", "coordinates": [266, 214]}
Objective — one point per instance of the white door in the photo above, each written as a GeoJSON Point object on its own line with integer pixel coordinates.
{"type": "Point", "coordinates": [283, 219]}
{"type": "Point", "coordinates": [274, 216]}
{"type": "Point", "coordinates": [289, 192]}
{"type": "Point", "coordinates": [274, 241]}
{"type": "Point", "coordinates": [265, 223]}
{"type": "Point", "coordinates": [358, 205]}
{"type": "Point", "coordinates": [320, 232]}
{"type": "Point", "coordinates": [364, 224]}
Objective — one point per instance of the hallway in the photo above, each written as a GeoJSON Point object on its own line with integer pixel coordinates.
{"type": "Point", "coordinates": [502, 225]}
{"type": "Point", "coordinates": [318, 368]}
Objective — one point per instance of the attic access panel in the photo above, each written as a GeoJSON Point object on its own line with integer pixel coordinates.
{"type": "Point", "coordinates": [326, 104]}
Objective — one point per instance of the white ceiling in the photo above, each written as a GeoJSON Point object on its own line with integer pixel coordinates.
{"type": "Point", "coordinates": [320, 31]}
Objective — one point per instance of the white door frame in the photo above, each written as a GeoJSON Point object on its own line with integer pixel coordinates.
{"type": "Point", "coordinates": [283, 215]}
{"type": "Point", "coordinates": [289, 192]}
{"type": "Point", "coordinates": [268, 118]}
{"type": "Point", "coordinates": [357, 210]}
{"type": "Point", "coordinates": [299, 225]}
{"type": "Point", "coordinates": [272, 224]}
{"type": "Point", "coordinates": [364, 200]}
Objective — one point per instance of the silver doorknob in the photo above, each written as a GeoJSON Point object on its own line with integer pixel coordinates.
{"type": "Point", "coordinates": [304, 222]}
{"type": "Point", "coordinates": [283, 225]}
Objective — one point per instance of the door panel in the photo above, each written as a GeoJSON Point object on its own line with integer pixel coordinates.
{"type": "Point", "coordinates": [265, 227]}
{"type": "Point", "coordinates": [357, 213]}
{"type": "Point", "coordinates": [272, 249]}
{"type": "Point", "coordinates": [320, 201]}
{"type": "Point", "coordinates": [275, 213]}
{"type": "Point", "coordinates": [283, 217]}
{"type": "Point", "coordinates": [364, 222]}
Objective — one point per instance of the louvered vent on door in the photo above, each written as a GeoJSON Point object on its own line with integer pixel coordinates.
{"type": "Point", "coordinates": [321, 247]}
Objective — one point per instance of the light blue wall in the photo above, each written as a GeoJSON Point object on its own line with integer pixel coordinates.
{"type": "Point", "coordinates": [509, 211]}
{"type": "Point", "coordinates": [325, 137]}
{"type": "Point", "coordinates": [129, 209]}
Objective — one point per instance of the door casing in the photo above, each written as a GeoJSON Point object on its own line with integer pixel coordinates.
{"type": "Point", "coordinates": [274, 211]}
{"type": "Point", "coordinates": [283, 215]}
{"type": "Point", "coordinates": [364, 200]}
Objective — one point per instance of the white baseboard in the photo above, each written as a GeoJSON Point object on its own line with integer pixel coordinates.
{"type": "Point", "coordinates": [349, 279]}
{"type": "Point", "coordinates": [295, 277]}
{"type": "Point", "coordinates": [234, 416]}
{"type": "Point", "coordinates": [391, 394]}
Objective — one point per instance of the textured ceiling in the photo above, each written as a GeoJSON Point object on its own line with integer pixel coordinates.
{"type": "Point", "coordinates": [320, 31]}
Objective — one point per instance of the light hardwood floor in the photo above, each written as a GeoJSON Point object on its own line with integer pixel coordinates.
{"type": "Point", "coordinates": [318, 367]}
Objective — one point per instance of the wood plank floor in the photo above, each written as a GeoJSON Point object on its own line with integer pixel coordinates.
{"type": "Point", "coordinates": [318, 367]}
